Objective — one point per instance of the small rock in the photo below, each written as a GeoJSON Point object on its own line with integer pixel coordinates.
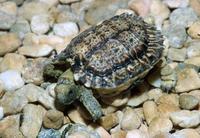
{"type": "Point", "coordinates": [40, 24]}
{"type": "Point", "coordinates": [118, 100]}
{"type": "Point", "coordinates": [135, 133]}
{"type": "Point", "coordinates": [166, 109]}
{"type": "Point", "coordinates": [154, 94]}
{"type": "Point", "coordinates": [154, 78]}
{"type": "Point", "coordinates": [183, 17]}
{"type": "Point", "coordinates": [11, 80]}
{"type": "Point", "coordinates": [188, 80]}
{"type": "Point", "coordinates": [8, 43]}
{"type": "Point", "coordinates": [177, 54]}
{"type": "Point", "coordinates": [176, 3]}
{"type": "Point", "coordinates": [176, 35]}
{"type": "Point", "coordinates": [150, 111]}
{"type": "Point", "coordinates": [29, 9]}
{"type": "Point", "coordinates": [107, 109]}
{"type": "Point", "coordinates": [188, 102]}
{"type": "Point", "coordinates": [13, 61]}
{"type": "Point", "coordinates": [193, 49]}
{"type": "Point", "coordinates": [68, 1]}
{"type": "Point", "coordinates": [21, 27]}
{"type": "Point", "coordinates": [1, 112]}
{"type": "Point", "coordinates": [163, 135]}
{"type": "Point", "coordinates": [50, 89]}
{"type": "Point", "coordinates": [119, 134]}
{"type": "Point", "coordinates": [9, 127]}
{"type": "Point", "coordinates": [194, 30]}
{"type": "Point", "coordinates": [76, 117]}
{"type": "Point", "coordinates": [185, 118]}
{"type": "Point", "coordinates": [172, 99]}
{"type": "Point", "coordinates": [30, 127]}
{"type": "Point", "coordinates": [195, 4]}
{"type": "Point", "coordinates": [33, 71]}
{"type": "Point", "coordinates": [120, 11]}
{"type": "Point", "coordinates": [68, 29]}
{"type": "Point", "coordinates": [53, 119]}
{"type": "Point", "coordinates": [8, 12]}
{"type": "Point", "coordinates": [186, 133]}
{"type": "Point", "coordinates": [49, 133]}
{"type": "Point", "coordinates": [130, 120]}
{"type": "Point", "coordinates": [102, 132]}
{"type": "Point", "coordinates": [109, 121]}
{"type": "Point", "coordinates": [160, 125]}
{"type": "Point", "coordinates": [141, 7]}
{"type": "Point", "coordinates": [35, 51]}
{"type": "Point", "coordinates": [194, 61]}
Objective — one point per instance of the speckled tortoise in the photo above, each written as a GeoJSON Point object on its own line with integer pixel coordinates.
{"type": "Point", "coordinates": [107, 58]}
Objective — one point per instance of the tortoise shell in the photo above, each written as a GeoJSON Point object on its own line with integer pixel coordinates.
{"type": "Point", "coordinates": [115, 54]}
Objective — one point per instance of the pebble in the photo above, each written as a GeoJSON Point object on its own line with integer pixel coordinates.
{"type": "Point", "coordinates": [67, 29]}
{"type": "Point", "coordinates": [188, 102]}
{"type": "Point", "coordinates": [183, 17]}
{"type": "Point", "coordinates": [150, 111]}
{"type": "Point", "coordinates": [176, 35]}
{"type": "Point", "coordinates": [195, 4]}
{"type": "Point", "coordinates": [155, 94]}
{"type": "Point", "coordinates": [177, 54]}
{"type": "Point", "coordinates": [194, 30]}
{"type": "Point", "coordinates": [154, 78]}
{"type": "Point", "coordinates": [50, 89]}
{"type": "Point", "coordinates": [141, 7]}
{"type": "Point", "coordinates": [185, 118]}
{"type": "Point", "coordinates": [193, 49]}
{"type": "Point", "coordinates": [8, 43]}
{"type": "Point", "coordinates": [130, 120]}
{"type": "Point", "coordinates": [109, 121]}
{"type": "Point", "coordinates": [33, 71]}
{"type": "Point", "coordinates": [176, 3]}
{"type": "Point", "coordinates": [76, 117]}
{"type": "Point", "coordinates": [160, 12]}
{"type": "Point", "coordinates": [102, 132]}
{"type": "Point", "coordinates": [68, 1]}
{"type": "Point", "coordinates": [119, 134]}
{"type": "Point", "coordinates": [186, 133]}
{"type": "Point", "coordinates": [49, 133]}
{"type": "Point", "coordinates": [193, 60]}
{"type": "Point", "coordinates": [172, 99]}
{"type": "Point", "coordinates": [53, 119]}
{"type": "Point", "coordinates": [135, 133]}
{"type": "Point", "coordinates": [163, 135]}
{"type": "Point", "coordinates": [108, 109]}
{"type": "Point", "coordinates": [13, 61]}
{"type": "Point", "coordinates": [50, 3]}
{"type": "Point", "coordinates": [21, 28]}
{"type": "Point", "coordinates": [29, 9]}
{"type": "Point", "coordinates": [166, 109]}
{"type": "Point", "coordinates": [9, 127]}
{"type": "Point", "coordinates": [1, 113]}
{"type": "Point", "coordinates": [121, 11]}
{"type": "Point", "coordinates": [30, 127]}
{"type": "Point", "coordinates": [188, 80]}
{"type": "Point", "coordinates": [11, 80]}
{"type": "Point", "coordinates": [8, 12]}
{"type": "Point", "coordinates": [159, 125]}
{"type": "Point", "coordinates": [40, 24]}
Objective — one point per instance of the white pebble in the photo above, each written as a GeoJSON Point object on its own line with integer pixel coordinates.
{"type": "Point", "coordinates": [1, 112]}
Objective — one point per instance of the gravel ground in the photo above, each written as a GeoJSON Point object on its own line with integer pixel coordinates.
{"type": "Point", "coordinates": [31, 31]}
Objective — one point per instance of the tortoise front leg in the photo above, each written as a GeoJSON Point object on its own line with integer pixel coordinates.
{"type": "Point", "coordinates": [67, 92]}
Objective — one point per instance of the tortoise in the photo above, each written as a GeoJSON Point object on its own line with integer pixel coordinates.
{"type": "Point", "coordinates": [108, 58]}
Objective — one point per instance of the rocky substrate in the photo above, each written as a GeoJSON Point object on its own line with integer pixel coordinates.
{"type": "Point", "coordinates": [31, 33]}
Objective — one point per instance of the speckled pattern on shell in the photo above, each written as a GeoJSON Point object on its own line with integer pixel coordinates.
{"type": "Point", "coordinates": [114, 54]}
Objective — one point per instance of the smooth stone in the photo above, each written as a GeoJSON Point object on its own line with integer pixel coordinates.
{"type": "Point", "coordinates": [119, 134]}
{"type": "Point", "coordinates": [67, 29]}
{"type": "Point", "coordinates": [163, 135]}
{"type": "Point", "coordinates": [102, 132]}
{"type": "Point", "coordinates": [159, 125]}
{"type": "Point", "coordinates": [186, 133]}
{"type": "Point", "coordinates": [150, 111]}
{"type": "Point", "coordinates": [121, 11]}
{"type": "Point", "coordinates": [35, 51]}
{"type": "Point", "coordinates": [53, 119]}
{"type": "Point", "coordinates": [29, 9]}
{"type": "Point", "coordinates": [11, 80]}
{"type": "Point", "coordinates": [13, 61]}
{"type": "Point", "coordinates": [141, 7]}
{"type": "Point", "coordinates": [21, 27]}
{"type": "Point", "coordinates": [154, 78]}
{"type": "Point", "coordinates": [130, 120]}
{"type": "Point", "coordinates": [8, 12]}
{"type": "Point", "coordinates": [50, 89]}
{"type": "Point", "coordinates": [18, 2]}
{"type": "Point", "coordinates": [188, 102]}
{"type": "Point", "coordinates": [177, 54]}
{"type": "Point", "coordinates": [1, 113]}
{"type": "Point", "coordinates": [166, 109]}
{"type": "Point", "coordinates": [176, 3]}
{"type": "Point", "coordinates": [30, 127]}
{"type": "Point", "coordinates": [193, 61]}
{"type": "Point", "coordinates": [135, 133]}
{"type": "Point", "coordinates": [194, 30]}
{"type": "Point", "coordinates": [195, 4]}
{"type": "Point", "coordinates": [8, 43]}
{"type": "Point", "coordinates": [183, 17]}
{"type": "Point", "coordinates": [188, 79]}
{"type": "Point", "coordinates": [40, 24]}
{"type": "Point", "coordinates": [68, 1]}
{"type": "Point", "coordinates": [193, 49]}
{"type": "Point", "coordinates": [172, 99]}
{"type": "Point", "coordinates": [76, 117]}
{"type": "Point", "coordinates": [155, 94]}
{"type": "Point", "coordinates": [49, 133]}
{"type": "Point", "coordinates": [9, 127]}
{"type": "Point", "coordinates": [108, 109]}
{"type": "Point", "coordinates": [185, 118]}
{"type": "Point", "coordinates": [33, 71]}
{"type": "Point", "coordinates": [109, 121]}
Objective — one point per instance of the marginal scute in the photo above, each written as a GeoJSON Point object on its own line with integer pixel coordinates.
{"type": "Point", "coordinates": [114, 54]}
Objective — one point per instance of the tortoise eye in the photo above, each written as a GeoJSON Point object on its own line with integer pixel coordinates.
{"type": "Point", "coordinates": [131, 40]}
